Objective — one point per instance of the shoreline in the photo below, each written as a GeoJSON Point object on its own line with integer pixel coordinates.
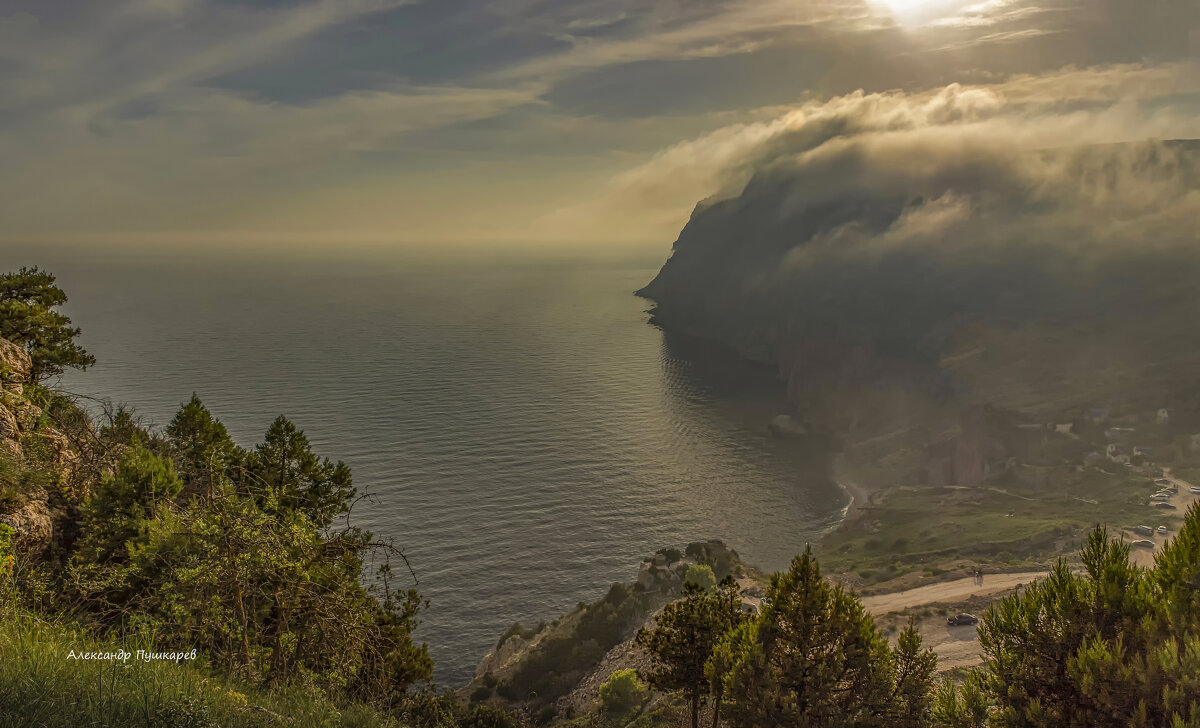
{"type": "Point", "coordinates": [860, 495]}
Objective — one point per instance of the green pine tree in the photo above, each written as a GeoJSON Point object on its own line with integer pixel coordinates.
{"type": "Point", "coordinates": [28, 299]}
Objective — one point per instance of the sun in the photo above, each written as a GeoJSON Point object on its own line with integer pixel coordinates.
{"type": "Point", "coordinates": [920, 10]}
{"type": "Point", "coordinates": [905, 7]}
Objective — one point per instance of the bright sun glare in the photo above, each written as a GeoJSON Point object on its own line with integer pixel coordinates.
{"type": "Point", "coordinates": [911, 7]}
{"type": "Point", "coordinates": [904, 6]}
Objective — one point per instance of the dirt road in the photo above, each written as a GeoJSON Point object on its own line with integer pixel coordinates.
{"type": "Point", "coordinates": [947, 591]}
{"type": "Point", "coordinates": [955, 646]}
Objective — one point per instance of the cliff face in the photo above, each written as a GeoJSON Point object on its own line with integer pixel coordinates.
{"type": "Point", "coordinates": [39, 466]}
{"type": "Point", "coordinates": [914, 279]}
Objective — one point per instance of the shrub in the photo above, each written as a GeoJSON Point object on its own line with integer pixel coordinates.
{"type": "Point", "coordinates": [702, 576]}
{"type": "Point", "coordinates": [622, 693]}
{"type": "Point", "coordinates": [490, 716]}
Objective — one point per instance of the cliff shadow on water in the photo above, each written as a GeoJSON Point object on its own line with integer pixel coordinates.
{"type": "Point", "coordinates": [751, 394]}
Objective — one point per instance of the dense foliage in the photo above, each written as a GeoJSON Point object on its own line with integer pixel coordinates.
{"type": "Point", "coordinates": [1117, 645]}
{"type": "Point", "coordinates": [234, 552]}
{"type": "Point", "coordinates": [814, 657]}
{"type": "Point", "coordinates": [684, 636]}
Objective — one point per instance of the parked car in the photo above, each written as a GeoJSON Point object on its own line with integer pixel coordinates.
{"type": "Point", "coordinates": [1162, 529]}
{"type": "Point", "coordinates": [1143, 530]}
{"type": "Point", "coordinates": [1162, 481]}
{"type": "Point", "coordinates": [1166, 506]}
{"type": "Point", "coordinates": [1195, 490]}
{"type": "Point", "coordinates": [959, 620]}
{"type": "Point", "coordinates": [1144, 543]}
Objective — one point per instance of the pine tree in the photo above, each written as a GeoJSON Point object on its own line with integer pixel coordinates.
{"type": "Point", "coordinates": [815, 658]}
{"type": "Point", "coordinates": [681, 643]}
{"type": "Point", "coordinates": [28, 299]}
{"type": "Point", "coordinates": [290, 476]}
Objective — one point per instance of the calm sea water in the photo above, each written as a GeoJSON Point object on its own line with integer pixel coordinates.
{"type": "Point", "coordinates": [529, 437]}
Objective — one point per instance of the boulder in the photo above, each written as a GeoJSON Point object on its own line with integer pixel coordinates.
{"type": "Point", "coordinates": [786, 426]}
{"type": "Point", "coordinates": [33, 525]}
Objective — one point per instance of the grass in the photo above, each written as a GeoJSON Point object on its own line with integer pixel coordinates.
{"type": "Point", "coordinates": [41, 688]}
{"type": "Point", "coordinates": [1020, 520]}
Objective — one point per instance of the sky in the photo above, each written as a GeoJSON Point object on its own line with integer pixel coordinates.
{"type": "Point", "coordinates": [505, 122]}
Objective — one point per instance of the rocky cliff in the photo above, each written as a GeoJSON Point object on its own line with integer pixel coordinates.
{"type": "Point", "coordinates": [41, 476]}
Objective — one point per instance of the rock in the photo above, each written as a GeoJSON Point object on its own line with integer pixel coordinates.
{"type": "Point", "coordinates": [9, 427]}
{"type": "Point", "coordinates": [786, 426]}
{"type": "Point", "coordinates": [716, 554]}
{"type": "Point", "coordinates": [33, 525]}
{"type": "Point", "coordinates": [14, 367]}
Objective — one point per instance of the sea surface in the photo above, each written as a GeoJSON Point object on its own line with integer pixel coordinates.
{"type": "Point", "coordinates": [527, 435]}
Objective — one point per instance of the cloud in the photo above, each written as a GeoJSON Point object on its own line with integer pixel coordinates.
{"type": "Point", "coordinates": [1075, 106]}
{"type": "Point", "coordinates": [137, 114]}
{"type": "Point", "coordinates": [893, 223]}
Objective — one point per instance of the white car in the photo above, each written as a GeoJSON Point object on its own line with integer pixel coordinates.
{"type": "Point", "coordinates": [1162, 529]}
{"type": "Point", "coordinates": [1144, 543]}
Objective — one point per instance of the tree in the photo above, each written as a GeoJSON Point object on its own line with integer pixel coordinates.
{"type": "Point", "coordinates": [727, 607]}
{"type": "Point", "coordinates": [1036, 642]}
{"type": "Point", "coordinates": [28, 319]}
{"type": "Point", "coordinates": [912, 680]}
{"type": "Point", "coordinates": [125, 500]}
{"type": "Point", "coordinates": [1114, 646]}
{"type": "Point", "coordinates": [683, 639]}
{"type": "Point", "coordinates": [961, 708]}
{"type": "Point", "coordinates": [290, 476]}
{"type": "Point", "coordinates": [621, 693]}
{"type": "Point", "coordinates": [202, 447]}
{"type": "Point", "coordinates": [815, 658]}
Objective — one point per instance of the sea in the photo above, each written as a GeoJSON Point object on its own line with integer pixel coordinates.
{"type": "Point", "coordinates": [526, 435]}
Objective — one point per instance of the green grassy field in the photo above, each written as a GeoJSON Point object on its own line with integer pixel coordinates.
{"type": "Point", "coordinates": [40, 687]}
{"type": "Point", "coordinates": [1020, 520]}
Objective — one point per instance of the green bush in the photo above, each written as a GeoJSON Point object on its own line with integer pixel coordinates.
{"type": "Point", "coordinates": [702, 576]}
{"type": "Point", "coordinates": [490, 716]}
{"type": "Point", "coordinates": [622, 693]}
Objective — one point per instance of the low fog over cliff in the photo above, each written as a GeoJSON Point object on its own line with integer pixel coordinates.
{"type": "Point", "coordinates": [873, 236]}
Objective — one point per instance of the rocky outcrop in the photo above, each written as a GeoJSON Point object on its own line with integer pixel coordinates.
{"type": "Point", "coordinates": [14, 368]}
{"type": "Point", "coordinates": [28, 443]}
{"type": "Point", "coordinates": [15, 411]}
{"type": "Point", "coordinates": [33, 524]}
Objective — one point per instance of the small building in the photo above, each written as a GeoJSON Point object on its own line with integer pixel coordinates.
{"type": "Point", "coordinates": [1144, 451]}
{"type": "Point", "coordinates": [1196, 442]}
{"type": "Point", "coordinates": [1163, 416]}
